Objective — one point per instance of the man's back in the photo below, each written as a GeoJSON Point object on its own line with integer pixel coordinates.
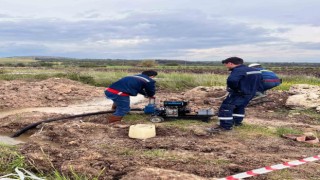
{"type": "Point", "coordinates": [270, 79]}
{"type": "Point", "coordinates": [245, 80]}
{"type": "Point", "coordinates": [133, 85]}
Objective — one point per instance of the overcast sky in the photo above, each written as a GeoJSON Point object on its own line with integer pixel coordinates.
{"type": "Point", "coordinates": [206, 30]}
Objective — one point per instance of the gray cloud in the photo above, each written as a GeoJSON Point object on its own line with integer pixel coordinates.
{"type": "Point", "coordinates": [21, 49]}
{"type": "Point", "coordinates": [307, 46]}
{"type": "Point", "coordinates": [165, 33]}
{"type": "Point", "coordinates": [190, 31]}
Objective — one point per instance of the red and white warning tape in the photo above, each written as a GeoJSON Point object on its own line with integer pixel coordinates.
{"type": "Point", "coordinates": [268, 169]}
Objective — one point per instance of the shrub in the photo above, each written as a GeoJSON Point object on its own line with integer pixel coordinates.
{"type": "Point", "coordinates": [86, 79]}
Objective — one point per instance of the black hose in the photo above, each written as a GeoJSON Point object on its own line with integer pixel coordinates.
{"type": "Point", "coordinates": [33, 125]}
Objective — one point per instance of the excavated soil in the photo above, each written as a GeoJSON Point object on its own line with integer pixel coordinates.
{"type": "Point", "coordinates": [87, 146]}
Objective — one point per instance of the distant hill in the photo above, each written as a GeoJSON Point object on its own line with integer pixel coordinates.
{"type": "Point", "coordinates": [165, 62]}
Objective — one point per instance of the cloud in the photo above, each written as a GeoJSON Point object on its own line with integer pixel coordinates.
{"type": "Point", "coordinates": [253, 53]}
{"type": "Point", "coordinates": [21, 49]}
{"type": "Point", "coordinates": [167, 29]}
{"type": "Point", "coordinates": [145, 29]}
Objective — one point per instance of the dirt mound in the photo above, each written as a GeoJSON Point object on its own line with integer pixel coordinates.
{"type": "Point", "coordinates": [47, 93]}
{"type": "Point", "coordinates": [274, 100]}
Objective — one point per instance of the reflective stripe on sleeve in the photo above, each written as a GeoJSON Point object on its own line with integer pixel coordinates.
{"type": "Point", "coordinates": [145, 79]}
{"type": "Point", "coordinates": [253, 72]}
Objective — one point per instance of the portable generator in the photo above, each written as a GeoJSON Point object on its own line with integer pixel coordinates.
{"type": "Point", "coordinates": [175, 110]}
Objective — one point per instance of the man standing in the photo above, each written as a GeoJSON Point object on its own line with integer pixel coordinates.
{"type": "Point", "coordinates": [119, 92]}
{"type": "Point", "coordinates": [242, 85]}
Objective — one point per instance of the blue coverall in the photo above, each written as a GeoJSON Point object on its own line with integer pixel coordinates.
{"type": "Point", "coordinates": [129, 86]}
{"type": "Point", "coordinates": [270, 79]}
{"type": "Point", "coordinates": [242, 84]}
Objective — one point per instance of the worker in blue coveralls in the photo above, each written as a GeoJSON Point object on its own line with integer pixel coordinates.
{"type": "Point", "coordinates": [270, 80]}
{"type": "Point", "coordinates": [242, 85]}
{"type": "Point", "coordinates": [120, 91]}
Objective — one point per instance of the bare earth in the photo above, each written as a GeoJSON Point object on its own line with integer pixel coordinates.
{"type": "Point", "coordinates": [88, 146]}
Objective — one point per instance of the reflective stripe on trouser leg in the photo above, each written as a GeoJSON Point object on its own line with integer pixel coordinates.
{"type": "Point", "coordinates": [238, 118]}
{"type": "Point", "coordinates": [226, 122]}
{"type": "Point", "coordinates": [225, 116]}
{"type": "Point", "coordinates": [238, 114]}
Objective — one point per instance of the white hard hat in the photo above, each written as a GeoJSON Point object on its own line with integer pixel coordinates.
{"type": "Point", "coordinates": [254, 65]}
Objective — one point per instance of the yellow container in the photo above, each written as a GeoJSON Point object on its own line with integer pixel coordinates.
{"type": "Point", "coordinates": [142, 131]}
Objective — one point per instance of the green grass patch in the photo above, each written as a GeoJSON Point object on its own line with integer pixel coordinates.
{"type": "Point", "coordinates": [311, 113]}
{"type": "Point", "coordinates": [282, 174]}
{"type": "Point", "coordinates": [250, 129]}
{"type": "Point", "coordinates": [181, 81]}
{"type": "Point", "coordinates": [288, 81]}
{"type": "Point", "coordinates": [74, 176]}
{"type": "Point", "coordinates": [16, 60]}
{"type": "Point", "coordinates": [169, 81]}
{"type": "Point", "coordinates": [84, 78]}
{"type": "Point", "coordinates": [155, 153]}
{"type": "Point", "coordinates": [182, 124]}
{"type": "Point", "coordinates": [285, 130]}
{"type": "Point", "coordinates": [136, 118]}
{"type": "Point", "coordinates": [220, 161]}
{"type": "Point", "coordinates": [10, 158]}
{"type": "Point", "coordinates": [123, 151]}
{"type": "Point", "coordinates": [104, 79]}
{"type": "Point", "coordinates": [165, 154]}
{"type": "Point", "coordinates": [3, 71]}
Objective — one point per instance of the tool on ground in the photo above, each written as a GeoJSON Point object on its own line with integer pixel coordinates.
{"type": "Point", "coordinates": [175, 110]}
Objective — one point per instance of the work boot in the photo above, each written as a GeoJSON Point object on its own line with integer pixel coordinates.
{"type": "Point", "coordinates": [114, 106]}
{"type": "Point", "coordinates": [112, 118]}
{"type": "Point", "coordinates": [217, 129]}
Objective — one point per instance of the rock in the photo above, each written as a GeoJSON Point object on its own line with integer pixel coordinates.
{"type": "Point", "coordinates": [309, 134]}
{"type": "Point", "coordinates": [302, 101]}
{"type": "Point", "coordinates": [202, 92]}
{"type": "Point", "coordinates": [304, 97]}
{"type": "Point", "coordinates": [304, 89]}
{"type": "Point", "coordinates": [199, 131]}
